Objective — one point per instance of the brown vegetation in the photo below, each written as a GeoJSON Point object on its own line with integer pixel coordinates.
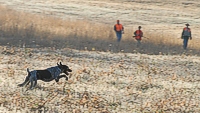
{"type": "Point", "coordinates": [20, 28]}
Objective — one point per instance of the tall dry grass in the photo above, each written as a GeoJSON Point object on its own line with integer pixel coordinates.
{"type": "Point", "coordinates": [20, 28]}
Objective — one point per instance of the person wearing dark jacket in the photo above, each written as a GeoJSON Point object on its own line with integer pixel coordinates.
{"type": "Point", "coordinates": [186, 35]}
{"type": "Point", "coordinates": [119, 29]}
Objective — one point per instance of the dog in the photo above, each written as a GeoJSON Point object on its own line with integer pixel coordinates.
{"type": "Point", "coordinates": [47, 75]}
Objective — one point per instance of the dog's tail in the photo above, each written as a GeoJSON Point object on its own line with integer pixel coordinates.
{"type": "Point", "coordinates": [28, 70]}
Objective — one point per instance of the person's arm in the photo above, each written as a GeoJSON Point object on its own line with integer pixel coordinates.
{"type": "Point", "coordinates": [114, 27]}
{"type": "Point", "coordinates": [182, 33]}
{"type": "Point", "coordinates": [141, 34]}
{"type": "Point", "coordinates": [134, 33]}
{"type": "Point", "coordinates": [122, 30]}
{"type": "Point", "coordinates": [190, 35]}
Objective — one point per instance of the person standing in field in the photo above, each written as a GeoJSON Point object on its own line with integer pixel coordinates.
{"type": "Point", "coordinates": [138, 34]}
{"type": "Point", "coordinates": [186, 34]}
{"type": "Point", "coordinates": [119, 29]}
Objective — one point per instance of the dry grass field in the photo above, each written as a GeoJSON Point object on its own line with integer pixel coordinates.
{"type": "Point", "coordinates": [89, 24]}
{"type": "Point", "coordinates": [107, 77]}
{"type": "Point", "coordinates": [101, 82]}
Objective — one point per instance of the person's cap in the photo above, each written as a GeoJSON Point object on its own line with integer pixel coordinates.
{"type": "Point", "coordinates": [139, 27]}
{"type": "Point", "coordinates": [187, 24]}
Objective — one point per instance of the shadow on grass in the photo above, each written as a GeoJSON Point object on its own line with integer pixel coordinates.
{"type": "Point", "coordinates": [91, 44]}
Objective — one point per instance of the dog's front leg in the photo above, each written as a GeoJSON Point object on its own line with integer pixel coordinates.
{"type": "Point", "coordinates": [61, 76]}
{"type": "Point", "coordinates": [67, 74]}
{"type": "Point", "coordinates": [25, 82]}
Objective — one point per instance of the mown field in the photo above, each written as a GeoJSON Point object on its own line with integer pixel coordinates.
{"type": "Point", "coordinates": [107, 77]}
{"type": "Point", "coordinates": [101, 82]}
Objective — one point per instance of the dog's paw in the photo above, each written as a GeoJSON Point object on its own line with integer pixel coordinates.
{"type": "Point", "coordinates": [32, 88]}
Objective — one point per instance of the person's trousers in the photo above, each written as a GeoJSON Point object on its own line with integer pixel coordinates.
{"type": "Point", "coordinates": [185, 42]}
{"type": "Point", "coordinates": [138, 43]}
{"type": "Point", "coordinates": [119, 36]}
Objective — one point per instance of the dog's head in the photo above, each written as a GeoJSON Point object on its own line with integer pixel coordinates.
{"type": "Point", "coordinates": [64, 69]}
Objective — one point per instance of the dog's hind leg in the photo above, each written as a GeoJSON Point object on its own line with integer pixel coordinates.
{"type": "Point", "coordinates": [35, 83]}
{"type": "Point", "coordinates": [31, 87]}
{"type": "Point", "coordinates": [25, 82]}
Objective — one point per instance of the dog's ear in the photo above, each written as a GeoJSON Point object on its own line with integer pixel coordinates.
{"type": "Point", "coordinates": [60, 63]}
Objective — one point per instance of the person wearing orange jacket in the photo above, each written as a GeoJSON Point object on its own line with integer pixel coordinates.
{"type": "Point", "coordinates": [186, 34]}
{"type": "Point", "coordinates": [119, 29]}
{"type": "Point", "coordinates": [138, 34]}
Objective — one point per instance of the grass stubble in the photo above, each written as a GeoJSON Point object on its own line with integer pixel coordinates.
{"type": "Point", "coordinates": [149, 93]}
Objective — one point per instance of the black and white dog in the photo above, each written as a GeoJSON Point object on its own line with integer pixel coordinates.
{"type": "Point", "coordinates": [47, 75]}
